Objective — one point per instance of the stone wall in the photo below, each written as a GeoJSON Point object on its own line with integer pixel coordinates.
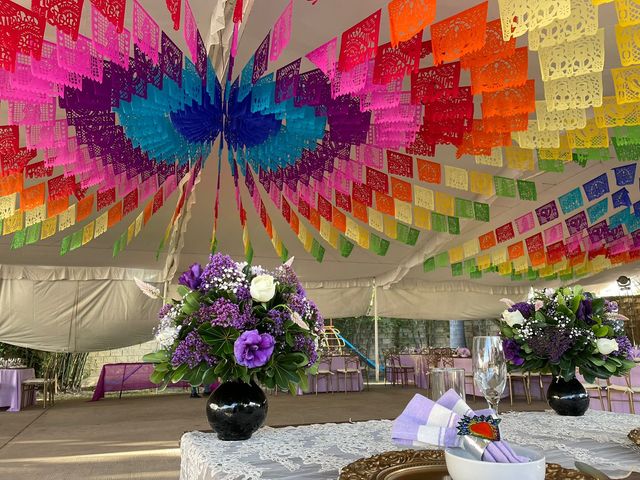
{"type": "Point", "coordinates": [130, 354]}
{"type": "Point", "coordinates": [397, 333]}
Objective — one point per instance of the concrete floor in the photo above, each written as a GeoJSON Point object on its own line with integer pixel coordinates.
{"type": "Point", "coordinates": [136, 437]}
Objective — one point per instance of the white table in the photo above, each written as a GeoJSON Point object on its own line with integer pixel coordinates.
{"type": "Point", "coordinates": [317, 452]}
{"type": "Point", "coordinates": [11, 386]}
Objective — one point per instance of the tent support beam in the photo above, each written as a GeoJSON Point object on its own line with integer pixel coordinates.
{"type": "Point", "coordinates": [376, 348]}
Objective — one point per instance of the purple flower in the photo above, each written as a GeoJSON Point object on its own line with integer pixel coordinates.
{"type": "Point", "coordinates": [552, 343]}
{"type": "Point", "coordinates": [166, 308]}
{"type": "Point", "coordinates": [512, 352]}
{"type": "Point", "coordinates": [191, 351]}
{"type": "Point", "coordinates": [307, 346]}
{"type": "Point", "coordinates": [625, 349]}
{"type": "Point", "coordinates": [526, 309]}
{"type": "Point", "coordinates": [192, 278]}
{"type": "Point", "coordinates": [222, 273]}
{"type": "Point", "coordinates": [253, 349]}
{"type": "Point", "coordinates": [611, 306]}
{"type": "Point", "coordinates": [585, 310]}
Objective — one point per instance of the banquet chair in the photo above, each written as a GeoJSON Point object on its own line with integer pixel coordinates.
{"type": "Point", "coordinates": [402, 370]}
{"type": "Point", "coordinates": [596, 387]}
{"type": "Point", "coordinates": [351, 368]}
{"type": "Point", "coordinates": [525, 379]}
{"type": "Point", "coordinates": [390, 371]}
{"type": "Point", "coordinates": [623, 385]}
{"type": "Point", "coordinates": [46, 385]}
{"type": "Point", "coordinates": [324, 370]}
{"type": "Point", "coordinates": [447, 362]}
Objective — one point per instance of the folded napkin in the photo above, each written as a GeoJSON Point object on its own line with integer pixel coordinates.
{"type": "Point", "coordinates": [425, 422]}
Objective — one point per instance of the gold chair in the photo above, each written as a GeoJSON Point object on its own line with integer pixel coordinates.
{"type": "Point", "coordinates": [402, 370]}
{"type": "Point", "coordinates": [351, 368]}
{"type": "Point", "coordinates": [598, 388]}
{"type": "Point", "coordinates": [324, 370]}
{"type": "Point", "coordinates": [47, 385]}
{"type": "Point", "coordinates": [526, 382]}
{"type": "Point", "coordinates": [620, 387]}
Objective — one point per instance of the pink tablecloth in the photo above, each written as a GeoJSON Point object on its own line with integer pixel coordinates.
{"type": "Point", "coordinates": [119, 377]}
{"type": "Point", "coordinates": [11, 386]}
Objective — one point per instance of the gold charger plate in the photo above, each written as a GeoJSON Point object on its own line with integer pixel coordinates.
{"type": "Point", "coordinates": [424, 465]}
{"type": "Point", "coordinates": [634, 436]}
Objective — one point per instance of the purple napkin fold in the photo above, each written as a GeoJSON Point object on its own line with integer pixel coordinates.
{"type": "Point", "coordinates": [425, 422]}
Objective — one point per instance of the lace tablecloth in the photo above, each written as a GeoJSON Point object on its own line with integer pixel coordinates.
{"type": "Point", "coordinates": [317, 452]}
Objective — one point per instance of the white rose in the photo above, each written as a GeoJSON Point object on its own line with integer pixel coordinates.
{"type": "Point", "coordinates": [512, 318]}
{"type": "Point", "coordinates": [606, 345]}
{"type": "Point", "coordinates": [297, 319]}
{"type": "Point", "coordinates": [263, 288]}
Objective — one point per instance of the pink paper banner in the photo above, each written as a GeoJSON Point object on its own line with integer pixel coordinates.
{"type": "Point", "coordinates": [553, 234]}
{"type": "Point", "coordinates": [525, 223]}
{"type": "Point", "coordinates": [281, 33]}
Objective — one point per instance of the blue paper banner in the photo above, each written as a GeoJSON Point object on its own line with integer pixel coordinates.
{"type": "Point", "coordinates": [571, 201]}
{"type": "Point", "coordinates": [597, 187]}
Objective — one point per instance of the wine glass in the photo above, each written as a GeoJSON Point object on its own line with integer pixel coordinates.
{"type": "Point", "coordinates": [489, 369]}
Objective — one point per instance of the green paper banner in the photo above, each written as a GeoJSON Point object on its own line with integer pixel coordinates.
{"type": "Point", "coordinates": [442, 260]}
{"type": "Point", "coordinates": [76, 240]}
{"type": "Point", "coordinates": [345, 246]}
{"type": "Point", "coordinates": [456, 269]}
{"type": "Point", "coordinates": [475, 274]}
{"type": "Point", "coordinates": [429, 265]}
{"type": "Point", "coordinates": [18, 239]}
{"type": "Point", "coordinates": [438, 222]}
{"type": "Point", "coordinates": [527, 190]}
{"type": "Point", "coordinates": [505, 187]}
{"type": "Point", "coordinates": [378, 245]}
{"type": "Point", "coordinates": [284, 256]}
{"type": "Point", "coordinates": [64, 246]}
{"type": "Point", "coordinates": [464, 208]}
{"type": "Point", "coordinates": [453, 223]}
{"type": "Point", "coordinates": [33, 233]}
{"type": "Point", "coordinates": [481, 211]}
{"type": "Point", "coordinates": [556, 166]}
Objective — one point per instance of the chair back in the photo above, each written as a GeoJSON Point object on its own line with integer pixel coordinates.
{"type": "Point", "coordinates": [447, 361]}
{"type": "Point", "coordinates": [324, 365]}
{"type": "Point", "coordinates": [352, 362]}
{"type": "Point", "coordinates": [621, 381]}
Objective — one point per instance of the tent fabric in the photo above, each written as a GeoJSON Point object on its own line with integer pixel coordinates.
{"type": "Point", "coordinates": [69, 310]}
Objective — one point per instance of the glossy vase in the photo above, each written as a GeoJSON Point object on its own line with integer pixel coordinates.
{"type": "Point", "coordinates": [236, 409]}
{"type": "Point", "coordinates": [567, 398]}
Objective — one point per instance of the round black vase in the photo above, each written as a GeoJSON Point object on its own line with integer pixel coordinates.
{"type": "Point", "coordinates": [567, 398]}
{"type": "Point", "coordinates": [236, 409]}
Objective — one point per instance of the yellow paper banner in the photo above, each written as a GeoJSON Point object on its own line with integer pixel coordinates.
{"type": "Point", "coordinates": [14, 223]}
{"type": "Point", "coordinates": [424, 197]}
{"type": "Point", "coordinates": [67, 218]}
{"type": "Point", "coordinates": [455, 177]}
{"type": "Point", "coordinates": [625, 82]}
{"type": "Point", "coordinates": [568, 119]}
{"type": "Point", "coordinates": [471, 248]}
{"type": "Point", "coordinates": [390, 227]}
{"type": "Point", "coordinates": [612, 114]}
{"type": "Point", "coordinates": [456, 254]}
{"type": "Point", "coordinates": [494, 160]}
{"type": "Point", "coordinates": [445, 204]}
{"type": "Point", "coordinates": [35, 215]}
{"type": "Point", "coordinates": [481, 183]}
{"type": "Point", "coordinates": [376, 219]}
{"type": "Point", "coordinates": [519, 158]}
{"type": "Point", "coordinates": [404, 211]}
{"type": "Point", "coordinates": [583, 21]}
{"type": "Point", "coordinates": [87, 232]}
{"type": "Point", "coordinates": [101, 224]}
{"type": "Point", "coordinates": [583, 91]}
{"type": "Point", "coordinates": [422, 218]}
{"type": "Point", "coordinates": [563, 153]}
{"type": "Point", "coordinates": [589, 137]}
{"type": "Point", "coordinates": [571, 59]}
{"type": "Point", "coordinates": [8, 205]}
{"type": "Point", "coordinates": [49, 227]}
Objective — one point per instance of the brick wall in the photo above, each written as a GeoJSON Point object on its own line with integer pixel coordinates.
{"type": "Point", "coordinates": [131, 354]}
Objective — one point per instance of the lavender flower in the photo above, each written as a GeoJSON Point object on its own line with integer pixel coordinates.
{"type": "Point", "coordinates": [225, 313]}
{"type": "Point", "coordinates": [286, 276]}
{"type": "Point", "coordinates": [552, 343]}
{"type": "Point", "coordinates": [307, 346]}
{"type": "Point", "coordinates": [610, 306]}
{"type": "Point", "coordinates": [512, 352]}
{"type": "Point", "coordinates": [526, 309]}
{"type": "Point", "coordinates": [222, 273]}
{"type": "Point", "coordinates": [278, 317]}
{"type": "Point", "coordinates": [253, 349]}
{"type": "Point", "coordinates": [625, 349]}
{"type": "Point", "coordinates": [192, 278]}
{"type": "Point", "coordinates": [166, 308]}
{"type": "Point", "coordinates": [191, 351]}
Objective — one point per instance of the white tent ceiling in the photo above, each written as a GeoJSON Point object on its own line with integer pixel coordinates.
{"type": "Point", "coordinates": [340, 286]}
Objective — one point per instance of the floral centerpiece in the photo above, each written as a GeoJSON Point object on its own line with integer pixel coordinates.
{"type": "Point", "coordinates": [237, 322]}
{"type": "Point", "coordinates": [559, 331]}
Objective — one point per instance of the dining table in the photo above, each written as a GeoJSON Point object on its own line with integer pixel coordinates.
{"type": "Point", "coordinates": [11, 387]}
{"type": "Point", "coordinates": [320, 451]}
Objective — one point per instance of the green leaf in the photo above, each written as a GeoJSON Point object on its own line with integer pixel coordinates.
{"type": "Point", "coordinates": [506, 330]}
{"type": "Point", "coordinates": [193, 299]}
{"type": "Point", "coordinates": [179, 373]}
{"type": "Point", "coordinates": [597, 361]}
{"type": "Point", "coordinates": [293, 389]}
{"type": "Point", "coordinates": [209, 376]}
{"type": "Point", "coordinates": [157, 377]}
{"type": "Point", "coordinates": [610, 367]}
{"type": "Point", "coordinates": [182, 290]}
{"type": "Point", "coordinates": [195, 377]}
{"type": "Point", "coordinates": [303, 380]}
{"type": "Point", "coordinates": [576, 303]}
{"type": "Point", "coordinates": [600, 330]}
{"type": "Point", "coordinates": [161, 356]}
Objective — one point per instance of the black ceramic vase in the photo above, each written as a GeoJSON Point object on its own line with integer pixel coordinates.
{"type": "Point", "coordinates": [236, 409]}
{"type": "Point", "coordinates": [567, 398]}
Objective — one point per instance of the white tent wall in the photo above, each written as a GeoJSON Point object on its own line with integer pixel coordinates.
{"type": "Point", "coordinates": [65, 309]}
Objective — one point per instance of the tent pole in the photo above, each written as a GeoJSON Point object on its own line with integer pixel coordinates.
{"type": "Point", "coordinates": [375, 331]}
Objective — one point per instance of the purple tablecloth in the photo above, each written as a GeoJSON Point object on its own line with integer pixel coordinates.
{"type": "Point", "coordinates": [119, 377]}
{"type": "Point", "coordinates": [11, 386]}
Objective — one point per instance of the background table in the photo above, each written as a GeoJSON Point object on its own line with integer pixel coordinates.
{"type": "Point", "coordinates": [337, 383]}
{"type": "Point", "coordinates": [11, 386]}
{"type": "Point", "coordinates": [119, 377]}
{"type": "Point", "coordinates": [316, 452]}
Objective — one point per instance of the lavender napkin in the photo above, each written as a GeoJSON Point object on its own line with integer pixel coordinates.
{"type": "Point", "coordinates": [425, 422]}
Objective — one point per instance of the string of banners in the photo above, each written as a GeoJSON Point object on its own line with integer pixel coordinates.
{"type": "Point", "coordinates": [109, 125]}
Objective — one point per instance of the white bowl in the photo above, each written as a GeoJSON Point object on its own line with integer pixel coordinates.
{"type": "Point", "coordinates": [462, 466]}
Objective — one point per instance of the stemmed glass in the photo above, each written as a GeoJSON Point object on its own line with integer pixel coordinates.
{"type": "Point", "coordinates": [489, 369]}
